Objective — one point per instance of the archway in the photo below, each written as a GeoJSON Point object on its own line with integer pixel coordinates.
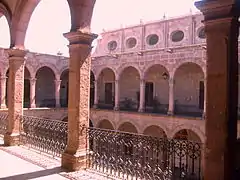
{"type": "Point", "coordinates": [45, 87]}
{"type": "Point", "coordinates": [155, 131]}
{"type": "Point", "coordinates": [26, 93]}
{"type": "Point", "coordinates": [189, 89]}
{"type": "Point", "coordinates": [64, 88]}
{"type": "Point", "coordinates": [157, 89]}
{"type": "Point", "coordinates": [92, 89]}
{"type": "Point", "coordinates": [42, 18]}
{"type": "Point", "coordinates": [105, 124]}
{"type": "Point", "coordinates": [128, 127]}
{"type": "Point", "coordinates": [129, 89]}
{"type": "Point", "coordinates": [106, 88]}
{"type": "Point", "coordinates": [5, 33]}
{"type": "Point", "coordinates": [188, 152]}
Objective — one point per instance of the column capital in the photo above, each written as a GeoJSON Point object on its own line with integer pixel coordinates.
{"type": "Point", "coordinates": [33, 79]}
{"type": "Point", "coordinates": [218, 9]}
{"type": "Point", "coordinates": [14, 52]}
{"type": "Point", "coordinates": [3, 77]}
{"type": "Point", "coordinates": [79, 37]}
{"type": "Point", "coordinates": [171, 81]}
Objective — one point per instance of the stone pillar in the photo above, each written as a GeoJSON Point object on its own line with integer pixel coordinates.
{"type": "Point", "coordinates": [3, 92]}
{"type": "Point", "coordinates": [95, 94]}
{"type": "Point", "coordinates": [116, 107]}
{"type": "Point", "coordinates": [205, 99]}
{"type": "Point", "coordinates": [33, 92]}
{"type": "Point", "coordinates": [74, 157]}
{"type": "Point", "coordinates": [171, 103]}
{"type": "Point", "coordinates": [57, 92]}
{"type": "Point", "coordinates": [142, 96]}
{"type": "Point", "coordinates": [221, 26]}
{"type": "Point", "coordinates": [15, 95]}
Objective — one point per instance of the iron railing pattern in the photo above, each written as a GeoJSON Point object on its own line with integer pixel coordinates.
{"type": "Point", "coordinates": [134, 156]}
{"type": "Point", "coordinates": [45, 135]}
{"type": "Point", "coordinates": [3, 122]}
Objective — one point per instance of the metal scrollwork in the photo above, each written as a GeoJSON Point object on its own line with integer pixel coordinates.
{"type": "Point", "coordinates": [46, 135]}
{"type": "Point", "coordinates": [135, 156]}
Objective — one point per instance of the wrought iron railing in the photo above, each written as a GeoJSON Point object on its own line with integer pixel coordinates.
{"type": "Point", "coordinates": [45, 135]}
{"type": "Point", "coordinates": [134, 156]}
{"type": "Point", "coordinates": [3, 122]}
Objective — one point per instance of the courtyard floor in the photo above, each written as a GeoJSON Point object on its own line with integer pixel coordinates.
{"type": "Point", "coordinates": [20, 163]}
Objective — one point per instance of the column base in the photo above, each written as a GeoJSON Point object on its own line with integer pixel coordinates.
{"type": "Point", "coordinates": [33, 106]}
{"type": "Point", "coordinates": [3, 106]}
{"type": "Point", "coordinates": [95, 106]}
{"type": "Point", "coordinates": [116, 108]}
{"type": "Point", "coordinates": [141, 110]}
{"type": "Point", "coordinates": [74, 162]}
{"type": "Point", "coordinates": [11, 139]}
{"type": "Point", "coordinates": [204, 116]}
{"type": "Point", "coordinates": [170, 113]}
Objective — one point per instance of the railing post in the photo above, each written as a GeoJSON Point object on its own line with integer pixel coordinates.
{"type": "Point", "coordinates": [15, 95]}
{"type": "Point", "coordinates": [75, 157]}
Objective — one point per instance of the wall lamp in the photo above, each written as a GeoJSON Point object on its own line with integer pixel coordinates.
{"type": "Point", "coordinates": [165, 76]}
{"type": "Point", "coordinates": [204, 47]}
{"type": "Point", "coordinates": [169, 50]}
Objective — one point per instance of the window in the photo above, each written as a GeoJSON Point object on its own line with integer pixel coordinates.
{"type": "Point", "coordinates": [112, 45]}
{"type": "Point", "coordinates": [152, 39]}
{"type": "Point", "coordinates": [201, 33]}
{"type": "Point", "coordinates": [177, 36]}
{"type": "Point", "coordinates": [131, 43]}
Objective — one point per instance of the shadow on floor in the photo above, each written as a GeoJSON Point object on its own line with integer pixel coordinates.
{"type": "Point", "coordinates": [35, 174]}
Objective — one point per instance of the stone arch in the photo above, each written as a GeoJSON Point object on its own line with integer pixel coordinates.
{"type": "Point", "coordinates": [189, 89]}
{"type": "Point", "coordinates": [190, 128]}
{"type": "Point", "coordinates": [106, 83]}
{"type": "Point", "coordinates": [105, 124]}
{"type": "Point", "coordinates": [45, 87]}
{"type": "Point", "coordinates": [81, 15]}
{"type": "Point", "coordinates": [129, 88]}
{"type": "Point", "coordinates": [155, 131]}
{"type": "Point", "coordinates": [96, 76]}
{"type": "Point", "coordinates": [128, 127]}
{"type": "Point", "coordinates": [64, 77]}
{"type": "Point", "coordinates": [157, 77]}
{"type": "Point", "coordinates": [50, 66]}
{"type": "Point", "coordinates": [31, 70]}
{"type": "Point", "coordinates": [121, 69]}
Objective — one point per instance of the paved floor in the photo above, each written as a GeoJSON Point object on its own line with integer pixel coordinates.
{"type": "Point", "coordinates": [20, 163]}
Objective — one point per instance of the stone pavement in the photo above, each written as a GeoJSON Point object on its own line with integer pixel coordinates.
{"type": "Point", "coordinates": [20, 163]}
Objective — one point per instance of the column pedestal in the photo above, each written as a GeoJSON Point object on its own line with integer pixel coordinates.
{"type": "Point", "coordinates": [15, 95]}
{"type": "Point", "coordinates": [74, 157]}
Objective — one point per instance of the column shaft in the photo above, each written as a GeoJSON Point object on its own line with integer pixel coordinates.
{"type": "Point", "coordinates": [3, 92]}
{"type": "Point", "coordinates": [116, 107]}
{"type": "Point", "coordinates": [15, 95]}
{"type": "Point", "coordinates": [95, 94]}
{"type": "Point", "coordinates": [33, 93]}
{"type": "Point", "coordinates": [171, 97]}
{"type": "Point", "coordinates": [57, 92]}
{"type": "Point", "coordinates": [142, 96]}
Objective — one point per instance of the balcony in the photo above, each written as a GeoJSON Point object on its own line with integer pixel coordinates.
{"type": "Point", "coordinates": [115, 154]}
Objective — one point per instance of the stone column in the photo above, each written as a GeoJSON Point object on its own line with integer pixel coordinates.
{"type": "Point", "coordinates": [142, 96]}
{"type": "Point", "coordinates": [33, 93]}
{"type": "Point", "coordinates": [95, 94]}
{"type": "Point", "coordinates": [57, 92]}
{"type": "Point", "coordinates": [15, 95]}
{"type": "Point", "coordinates": [205, 99]}
{"type": "Point", "coordinates": [3, 92]}
{"type": "Point", "coordinates": [116, 107]}
{"type": "Point", "coordinates": [222, 26]}
{"type": "Point", "coordinates": [74, 157]}
{"type": "Point", "coordinates": [171, 103]}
